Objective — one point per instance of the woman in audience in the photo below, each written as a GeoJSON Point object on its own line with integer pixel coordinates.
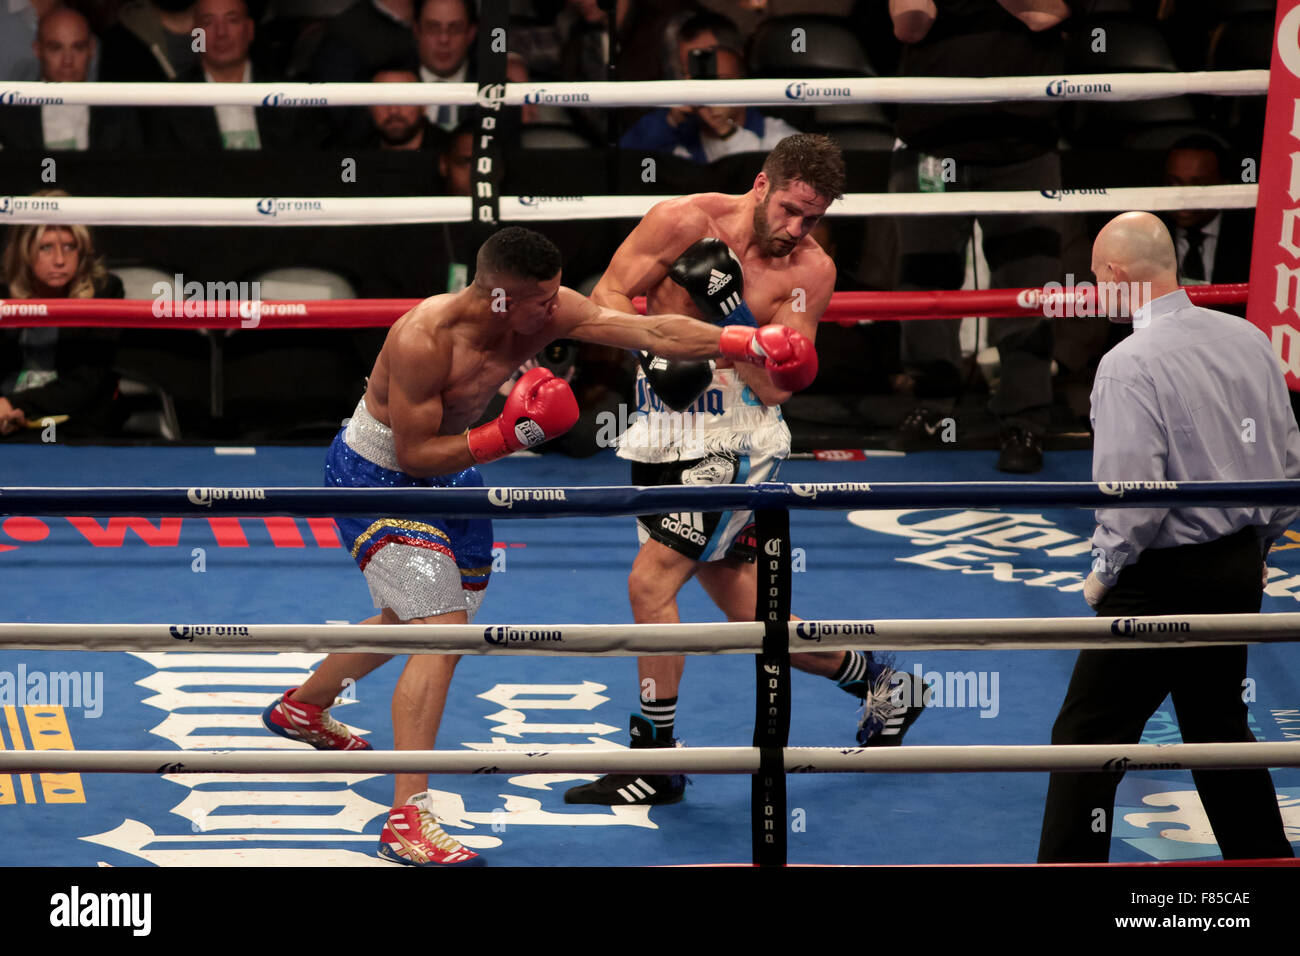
{"type": "Point", "coordinates": [50, 375]}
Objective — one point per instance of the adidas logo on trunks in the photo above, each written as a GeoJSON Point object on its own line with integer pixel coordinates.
{"type": "Point", "coordinates": [686, 524]}
{"type": "Point", "coordinates": [717, 280]}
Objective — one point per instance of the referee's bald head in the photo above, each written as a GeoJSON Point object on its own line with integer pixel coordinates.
{"type": "Point", "coordinates": [1138, 245]}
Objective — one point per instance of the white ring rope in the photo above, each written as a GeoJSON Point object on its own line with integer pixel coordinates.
{"type": "Point", "coordinates": [746, 637]}
{"type": "Point", "coordinates": [788, 92]}
{"type": "Point", "coordinates": [739, 760]}
{"type": "Point", "coordinates": [332, 211]}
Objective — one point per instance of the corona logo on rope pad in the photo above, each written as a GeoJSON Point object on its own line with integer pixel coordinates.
{"type": "Point", "coordinates": [205, 496]}
{"type": "Point", "coordinates": [1117, 488]}
{"type": "Point", "coordinates": [1066, 88]}
{"type": "Point", "coordinates": [284, 99]}
{"type": "Point", "coordinates": [506, 497]}
{"type": "Point", "coordinates": [22, 308]}
{"type": "Point", "coordinates": [813, 490]}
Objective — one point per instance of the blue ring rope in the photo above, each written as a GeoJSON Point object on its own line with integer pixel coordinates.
{"type": "Point", "coordinates": [533, 502]}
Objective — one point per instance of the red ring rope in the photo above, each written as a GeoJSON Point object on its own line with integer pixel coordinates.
{"type": "Point", "coordinates": [846, 308]}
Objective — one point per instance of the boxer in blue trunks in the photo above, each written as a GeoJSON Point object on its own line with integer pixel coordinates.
{"type": "Point", "coordinates": [439, 366]}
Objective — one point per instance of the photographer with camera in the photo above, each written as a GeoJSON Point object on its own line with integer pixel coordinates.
{"type": "Point", "coordinates": [707, 49]}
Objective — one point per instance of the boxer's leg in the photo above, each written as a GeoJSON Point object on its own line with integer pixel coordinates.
{"type": "Point", "coordinates": [418, 702]}
{"type": "Point", "coordinates": [333, 673]}
{"type": "Point", "coordinates": [657, 576]}
{"type": "Point", "coordinates": [732, 584]}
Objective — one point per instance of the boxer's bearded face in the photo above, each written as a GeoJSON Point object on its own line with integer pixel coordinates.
{"type": "Point", "coordinates": [782, 217]}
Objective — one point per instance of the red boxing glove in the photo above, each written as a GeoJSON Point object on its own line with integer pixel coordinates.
{"type": "Point", "coordinates": [786, 353]}
{"type": "Point", "coordinates": [540, 407]}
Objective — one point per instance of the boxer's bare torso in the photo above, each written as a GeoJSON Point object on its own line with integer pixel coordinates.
{"type": "Point", "coordinates": [473, 352]}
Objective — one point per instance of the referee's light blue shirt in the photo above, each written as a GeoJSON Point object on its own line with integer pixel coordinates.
{"type": "Point", "coordinates": [1191, 395]}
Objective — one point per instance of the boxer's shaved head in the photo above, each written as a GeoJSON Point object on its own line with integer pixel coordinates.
{"type": "Point", "coordinates": [1139, 243]}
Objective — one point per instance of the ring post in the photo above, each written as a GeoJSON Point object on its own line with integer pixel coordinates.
{"type": "Point", "coordinates": [772, 707]}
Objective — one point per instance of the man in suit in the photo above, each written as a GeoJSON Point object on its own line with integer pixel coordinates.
{"type": "Point", "coordinates": [402, 127]}
{"type": "Point", "coordinates": [64, 49]}
{"type": "Point", "coordinates": [228, 34]}
{"type": "Point", "coordinates": [1212, 245]}
{"type": "Point", "coordinates": [444, 38]}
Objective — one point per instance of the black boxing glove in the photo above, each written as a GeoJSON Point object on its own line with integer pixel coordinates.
{"type": "Point", "coordinates": [710, 273]}
{"type": "Point", "coordinates": [678, 382]}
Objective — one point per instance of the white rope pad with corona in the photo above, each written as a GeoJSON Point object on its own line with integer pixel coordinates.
{"type": "Point", "coordinates": [749, 92]}
{"type": "Point", "coordinates": [740, 760]}
{"type": "Point", "coordinates": [373, 211]}
{"type": "Point", "coordinates": [1028, 633]}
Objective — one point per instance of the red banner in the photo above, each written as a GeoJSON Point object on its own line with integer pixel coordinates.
{"type": "Point", "coordinates": [1275, 253]}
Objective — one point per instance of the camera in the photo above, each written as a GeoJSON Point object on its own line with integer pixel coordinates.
{"type": "Point", "coordinates": [702, 64]}
{"type": "Point", "coordinates": [559, 357]}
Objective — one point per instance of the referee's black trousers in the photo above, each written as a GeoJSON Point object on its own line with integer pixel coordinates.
{"type": "Point", "coordinates": [1112, 693]}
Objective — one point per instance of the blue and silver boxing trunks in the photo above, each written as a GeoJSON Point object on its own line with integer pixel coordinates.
{"type": "Point", "coordinates": [417, 568]}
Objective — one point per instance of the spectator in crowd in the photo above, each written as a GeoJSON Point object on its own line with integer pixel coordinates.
{"type": "Point", "coordinates": [152, 42]}
{"type": "Point", "coordinates": [228, 31]}
{"type": "Point", "coordinates": [456, 160]}
{"type": "Point", "coordinates": [367, 37]}
{"type": "Point", "coordinates": [402, 127]}
{"type": "Point", "coordinates": [363, 39]}
{"type": "Point", "coordinates": [428, 259]}
{"type": "Point", "coordinates": [969, 146]}
{"type": "Point", "coordinates": [444, 38]}
{"type": "Point", "coordinates": [18, 20]}
{"type": "Point", "coordinates": [1213, 245]}
{"type": "Point", "coordinates": [47, 373]}
{"type": "Point", "coordinates": [584, 32]}
{"type": "Point", "coordinates": [64, 49]}
{"type": "Point", "coordinates": [517, 72]}
{"type": "Point", "coordinates": [647, 33]}
{"type": "Point", "coordinates": [706, 133]}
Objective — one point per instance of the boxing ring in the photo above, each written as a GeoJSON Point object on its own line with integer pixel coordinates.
{"type": "Point", "coordinates": [768, 761]}
{"type": "Point", "coordinates": [44, 762]}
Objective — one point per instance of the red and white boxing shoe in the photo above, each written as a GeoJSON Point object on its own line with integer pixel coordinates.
{"type": "Point", "coordinates": [307, 722]}
{"type": "Point", "coordinates": [412, 836]}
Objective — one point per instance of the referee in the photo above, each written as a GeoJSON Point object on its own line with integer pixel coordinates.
{"type": "Point", "coordinates": [1191, 395]}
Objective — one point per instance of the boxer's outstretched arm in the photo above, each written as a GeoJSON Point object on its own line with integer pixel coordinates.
{"type": "Point", "coordinates": [668, 336]}
{"type": "Point", "coordinates": [416, 373]}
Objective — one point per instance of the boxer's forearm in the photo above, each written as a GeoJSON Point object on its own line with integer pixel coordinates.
{"type": "Point", "coordinates": [681, 337]}
{"type": "Point", "coordinates": [441, 455]}
{"type": "Point", "coordinates": [668, 336]}
{"type": "Point", "coordinates": [760, 383]}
